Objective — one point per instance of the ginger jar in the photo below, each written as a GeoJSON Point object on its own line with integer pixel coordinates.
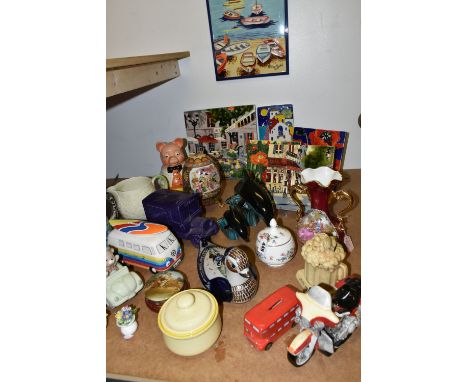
{"type": "Point", "coordinates": [275, 245]}
{"type": "Point", "coordinates": [201, 175]}
{"type": "Point", "coordinates": [190, 322]}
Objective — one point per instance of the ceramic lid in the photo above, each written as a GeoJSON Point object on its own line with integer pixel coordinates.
{"type": "Point", "coordinates": [275, 236]}
{"type": "Point", "coordinates": [197, 160]}
{"type": "Point", "coordinates": [188, 313]}
{"type": "Point", "coordinates": [163, 285]}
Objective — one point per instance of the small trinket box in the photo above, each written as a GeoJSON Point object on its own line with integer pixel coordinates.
{"type": "Point", "coordinates": [160, 287]}
{"type": "Point", "coordinates": [275, 245]}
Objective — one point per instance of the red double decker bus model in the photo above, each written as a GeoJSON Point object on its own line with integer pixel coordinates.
{"type": "Point", "coordinates": [271, 318]}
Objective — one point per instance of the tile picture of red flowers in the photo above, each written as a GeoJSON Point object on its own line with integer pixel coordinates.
{"type": "Point", "coordinates": [337, 139]}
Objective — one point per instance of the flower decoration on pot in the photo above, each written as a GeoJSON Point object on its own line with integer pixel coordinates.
{"type": "Point", "coordinates": [126, 320]}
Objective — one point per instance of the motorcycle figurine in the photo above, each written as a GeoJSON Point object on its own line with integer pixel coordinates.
{"type": "Point", "coordinates": [325, 323]}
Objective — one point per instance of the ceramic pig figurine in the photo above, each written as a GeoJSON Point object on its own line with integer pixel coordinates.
{"type": "Point", "coordinates": [172, 157]}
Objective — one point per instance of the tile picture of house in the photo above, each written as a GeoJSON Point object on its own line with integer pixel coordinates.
{"type": "Point", "coordinates": [278, 165]}
{"type": "Point", "coordinates": [275, 122]}
{"type": "Point", "coordinates": [224, 133]}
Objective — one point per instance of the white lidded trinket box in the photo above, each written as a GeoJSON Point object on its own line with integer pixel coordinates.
{"type": "Point", "coordinates": [275, 245]}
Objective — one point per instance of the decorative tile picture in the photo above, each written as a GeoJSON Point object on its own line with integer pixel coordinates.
{"type": "Point", "coordinates": [248, 38]}
{"type": "Point", "coordinates": [318, 156]}
{"type": "Point", "coordinates": [223, 133]}
{"type": "Point", "coordinates": [278, 166]}
{"type": "Point", "coordinates": [333, 138]}
{"type": "Point", "coordinates": [275, 122]}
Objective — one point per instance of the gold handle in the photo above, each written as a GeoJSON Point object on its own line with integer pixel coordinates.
{"type": "Point", "coordinates": [342, 195]}
{"type": "Point", "coordinates": [293, 190]}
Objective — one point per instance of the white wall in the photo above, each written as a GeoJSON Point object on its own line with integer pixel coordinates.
{"type": "Point", "coordinates": [323, 82]}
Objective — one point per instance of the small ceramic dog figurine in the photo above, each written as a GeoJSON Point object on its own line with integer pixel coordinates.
{"type": "Point", "coordinates": [173, 157]}
{"type": "Point", "coordinates": [111, 261]}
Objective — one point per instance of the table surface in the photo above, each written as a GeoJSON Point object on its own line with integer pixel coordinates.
{"type": "Point", "coordinates": [233, 358]}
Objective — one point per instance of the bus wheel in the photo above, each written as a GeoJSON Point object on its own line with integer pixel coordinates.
{"type": "Point", "coordinates": [153, 270]}
{"type": "Point", "coordinates": [269, 345]}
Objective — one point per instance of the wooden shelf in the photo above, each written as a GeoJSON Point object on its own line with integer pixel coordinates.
{"type": "Point", "coordinates": [145, 357]}
{"type": "Point", "coordinates": [130, 73]}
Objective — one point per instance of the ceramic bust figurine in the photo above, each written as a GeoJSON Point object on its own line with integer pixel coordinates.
{"type": "Point", "coordinates": [226, 272]}
{"type": "Point", "coordinates": [172, 157]}
{"type": "Point", "coordinates": [323, 257]}
{"type": "Point", "coordinates": [275, 245]}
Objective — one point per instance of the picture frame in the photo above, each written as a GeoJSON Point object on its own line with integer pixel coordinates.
{"type": "Point", "coordinates": [249, 38]}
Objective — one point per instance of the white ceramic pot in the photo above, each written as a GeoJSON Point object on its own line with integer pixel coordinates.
{"type": "Point", "coordinates": [128, 330]}
{"type": "Point", "coordinates": [190, 322]}
{"type": "Point", "coordinates": [275, 245]}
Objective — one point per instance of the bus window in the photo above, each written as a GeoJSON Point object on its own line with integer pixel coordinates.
{"type": "Point", "coordinates": [146, 250]}
{"type": "Point", "coordinates": [255, 328]}
{"type": "Point", "coordinates": [128, 245]}
{"type": "Point", "coordinates": [171, 239]}
{"type": "Point", "coordinates": [162, 246]}
{"type": "Point", "coordinates": [285, 315]}
{"type": "Point", "coordinates": [273, 324]}
{"type": "Point", "coordinates": [247, 321]}
{"type": "Point", "coordinates": [136, 247]}
{"type": "Point", "coordinates": [121, 243]}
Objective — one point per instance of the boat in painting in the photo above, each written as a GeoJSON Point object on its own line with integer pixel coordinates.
{"type": "Point", "coordinates": [231, 15]}
{"type": "Point", "coordinates": [247, 62]}
{"type": "Point", "coordinates": [221, 43]}
{"type": "Point", "coordinates": [255, 21]}
{"type": "Point", "coordinates": [276, 49]}
{"type": "Point", "coordinates": [221, 60]}
{"type": "Point", "coordinates": [257, 9]}
{"type": "Point", "coordinates": [263, 53]}
{"type": "Point", "coordinates": [236, 48]}
{"type": "Point", "coordinates": [230, 3]}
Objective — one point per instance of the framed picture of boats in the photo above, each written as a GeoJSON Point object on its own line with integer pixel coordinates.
{"type": "Point", "coordinates": [249, 38]}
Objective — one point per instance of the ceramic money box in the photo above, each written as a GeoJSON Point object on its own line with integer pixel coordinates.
{"type": "Point", "coordinates": [275, 245]}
